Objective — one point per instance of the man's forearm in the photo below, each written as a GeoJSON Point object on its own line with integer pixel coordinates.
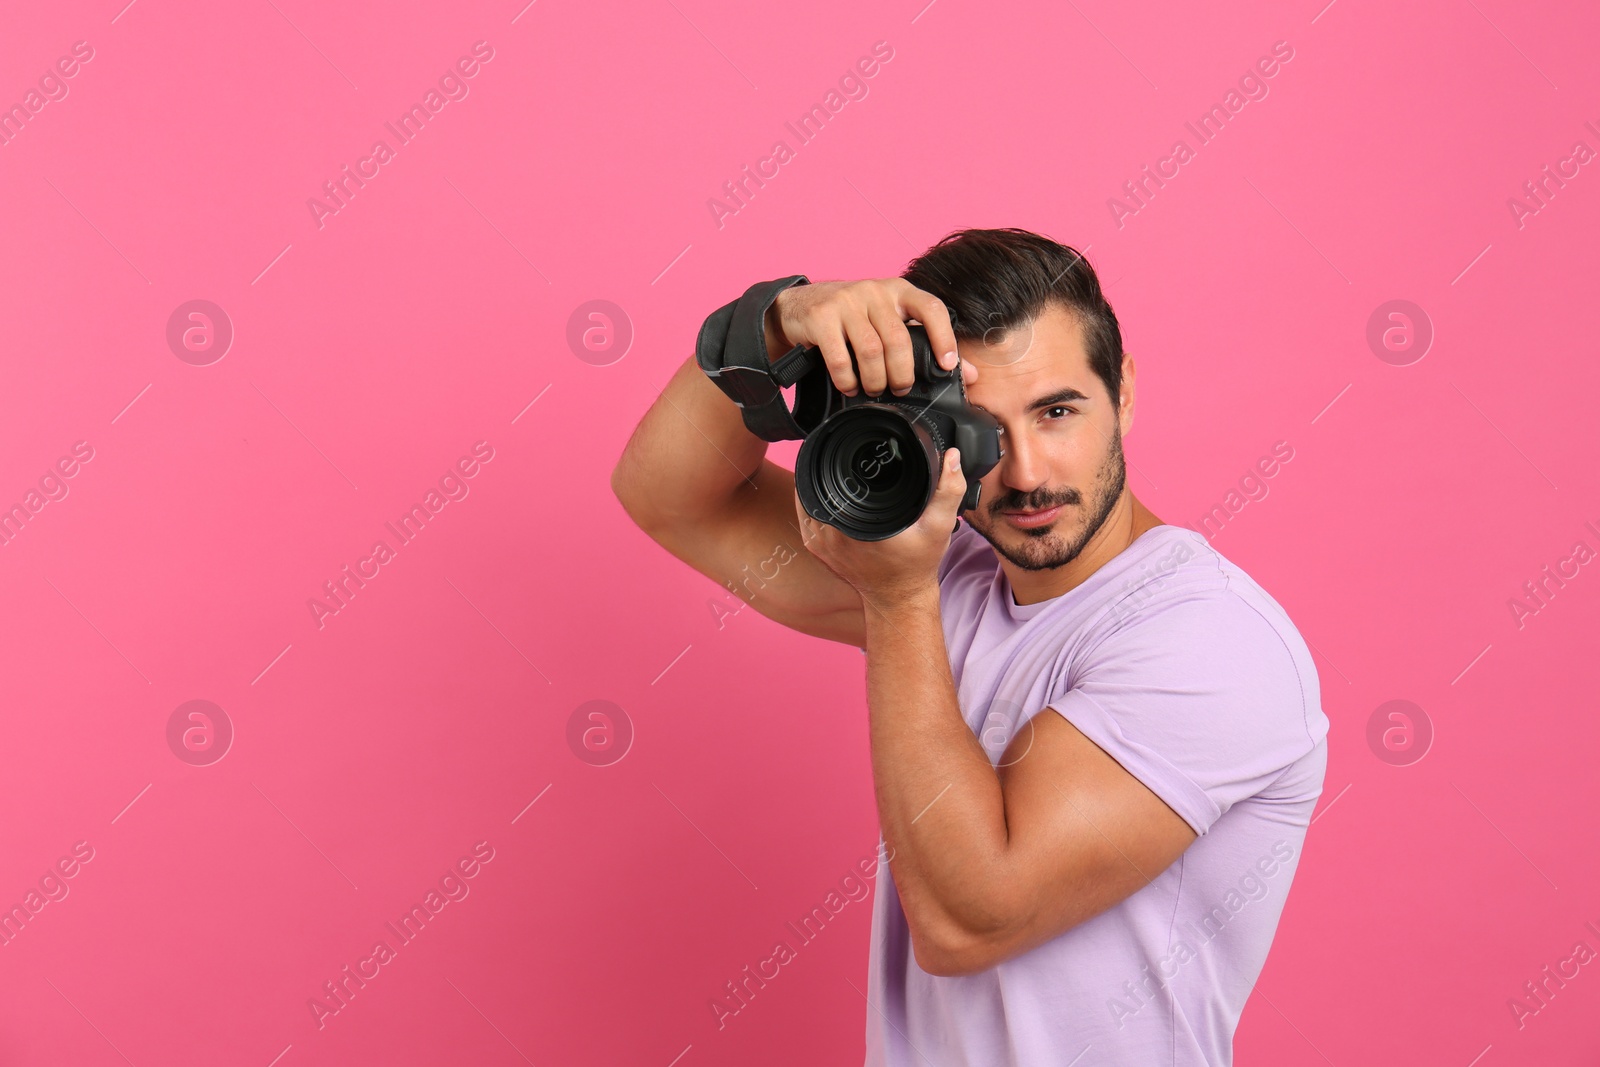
{"type": "Point", "coordinates": [939, 799]}
{"type": "Point", "coordinates": [689, 453]}
{"type": "Point", "coordinates": [691, 450]}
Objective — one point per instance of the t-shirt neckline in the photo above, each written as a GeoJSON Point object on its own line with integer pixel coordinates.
{"type": "Point", "coordinates": [1023, 612]}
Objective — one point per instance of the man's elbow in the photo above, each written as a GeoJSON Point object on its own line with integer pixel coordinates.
{"type": "Point", "coordinates": [619, 480]}
{"type": "Point", "coordinates": [622, 487]}
{"type": "Point", "coordinates": [972, 955]}
{"type": "Point", "coordinates": [951, 949]}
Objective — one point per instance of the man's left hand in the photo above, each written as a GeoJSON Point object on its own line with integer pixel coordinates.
{"type": "Point", "coordinates": [888, 570]}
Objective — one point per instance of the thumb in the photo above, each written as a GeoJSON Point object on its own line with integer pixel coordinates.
{"type": "Point", "coordinates": [952, 481]}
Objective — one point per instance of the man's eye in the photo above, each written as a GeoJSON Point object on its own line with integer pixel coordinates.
{"type": "Point", "coordinates": [1060, 408]}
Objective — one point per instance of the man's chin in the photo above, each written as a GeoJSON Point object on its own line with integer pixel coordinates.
{"type": "Point", "coordinates": [1043, 549]}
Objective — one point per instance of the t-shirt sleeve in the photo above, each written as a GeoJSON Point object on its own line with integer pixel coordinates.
{"type": "Point", "coordinates": [1201, 700]}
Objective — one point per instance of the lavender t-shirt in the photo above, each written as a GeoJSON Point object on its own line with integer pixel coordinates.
{"type": "Point", "coordinates": [1190, 676]}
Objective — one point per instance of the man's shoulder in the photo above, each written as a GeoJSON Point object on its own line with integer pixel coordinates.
{"type": "Point", "coordinates": [1199, 621]}
{"type": "Point", "coordinates": [1181, 581]}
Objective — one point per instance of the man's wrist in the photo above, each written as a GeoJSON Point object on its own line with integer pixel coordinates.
{"type": "Point", "coordinates": [894, 608]}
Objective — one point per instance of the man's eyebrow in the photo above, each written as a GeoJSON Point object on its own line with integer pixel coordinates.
{"type": "Point", "coordinates": [1060, 396]}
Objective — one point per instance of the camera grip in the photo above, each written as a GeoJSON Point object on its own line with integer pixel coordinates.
{"type": "Point", "coordinates": [979, 442]}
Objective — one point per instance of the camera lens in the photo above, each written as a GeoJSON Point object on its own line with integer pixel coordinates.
{"type": "Point", "coordinates": [877, 466]}
{"type": "Point", "coordinates": [868, 470]}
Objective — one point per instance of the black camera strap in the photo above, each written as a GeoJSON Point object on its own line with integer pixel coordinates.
{"type": "Point", "coordinates": [732, 350]}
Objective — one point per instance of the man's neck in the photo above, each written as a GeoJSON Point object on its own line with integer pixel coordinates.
{"type": "Point", "coordinates": [1122, 527]}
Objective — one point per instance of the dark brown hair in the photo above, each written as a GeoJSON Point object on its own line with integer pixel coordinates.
{"type": "Point", "coordinates": [996, 280]}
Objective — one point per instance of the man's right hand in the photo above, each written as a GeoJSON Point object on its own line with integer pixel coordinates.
{"type": "Point", "coordinates": [871, 315]}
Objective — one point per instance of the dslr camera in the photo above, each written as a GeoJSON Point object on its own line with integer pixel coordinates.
{"type": "Point", "coordinates": [867, 465]}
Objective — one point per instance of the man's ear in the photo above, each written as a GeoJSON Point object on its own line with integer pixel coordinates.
{"type": "Point", "coordinates": [1126, 393]}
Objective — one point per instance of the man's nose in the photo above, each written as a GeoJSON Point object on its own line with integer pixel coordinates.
{"type": "Point", "coordinates": [1021, 467]}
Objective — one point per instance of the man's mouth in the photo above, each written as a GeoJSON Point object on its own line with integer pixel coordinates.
{"type": "Point", "coordinates": [1038, 517]}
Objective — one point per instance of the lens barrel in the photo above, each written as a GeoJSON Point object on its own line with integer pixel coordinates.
{"type": "Point", "coordinates": [869, 470]}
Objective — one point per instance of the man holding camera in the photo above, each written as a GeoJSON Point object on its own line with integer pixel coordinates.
{"type": "Point", "coordinates": [1101, 881]}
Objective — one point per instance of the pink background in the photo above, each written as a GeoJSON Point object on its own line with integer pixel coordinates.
{"type": "Point", "coordinates": [432, 310]}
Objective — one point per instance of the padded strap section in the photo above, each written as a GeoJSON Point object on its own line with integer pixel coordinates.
{"type": "Point", "coordinates": [732, 350]}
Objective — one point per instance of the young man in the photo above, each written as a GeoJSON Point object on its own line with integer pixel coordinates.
{"type": "Point", "coordinates": [1096, 743]}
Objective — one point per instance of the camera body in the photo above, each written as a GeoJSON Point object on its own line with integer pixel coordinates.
{"type": "Point", "coordinates": [870, 466]}
{"type": "Point", "coordinates": [867, 466]}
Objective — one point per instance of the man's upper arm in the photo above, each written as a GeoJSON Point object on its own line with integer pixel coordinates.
{"type": "Point", "coordinates": [1179, 715]}
{"type": "Point", "coordinates": [754, 549]}
{"type": "Point", "coordinates": [1083, 834]}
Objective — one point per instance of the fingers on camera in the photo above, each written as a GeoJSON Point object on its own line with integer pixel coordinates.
{"type": "Point", "coordinates": [868, 347]}
{"type": "Point", "coordinates": [883, 356]}
{"type": "Point", "coordinates": [935, 318]}
{"type": "Point", "coordinates": [837, 357]}
{"type": "Point", "coordinates": [899, 370]}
